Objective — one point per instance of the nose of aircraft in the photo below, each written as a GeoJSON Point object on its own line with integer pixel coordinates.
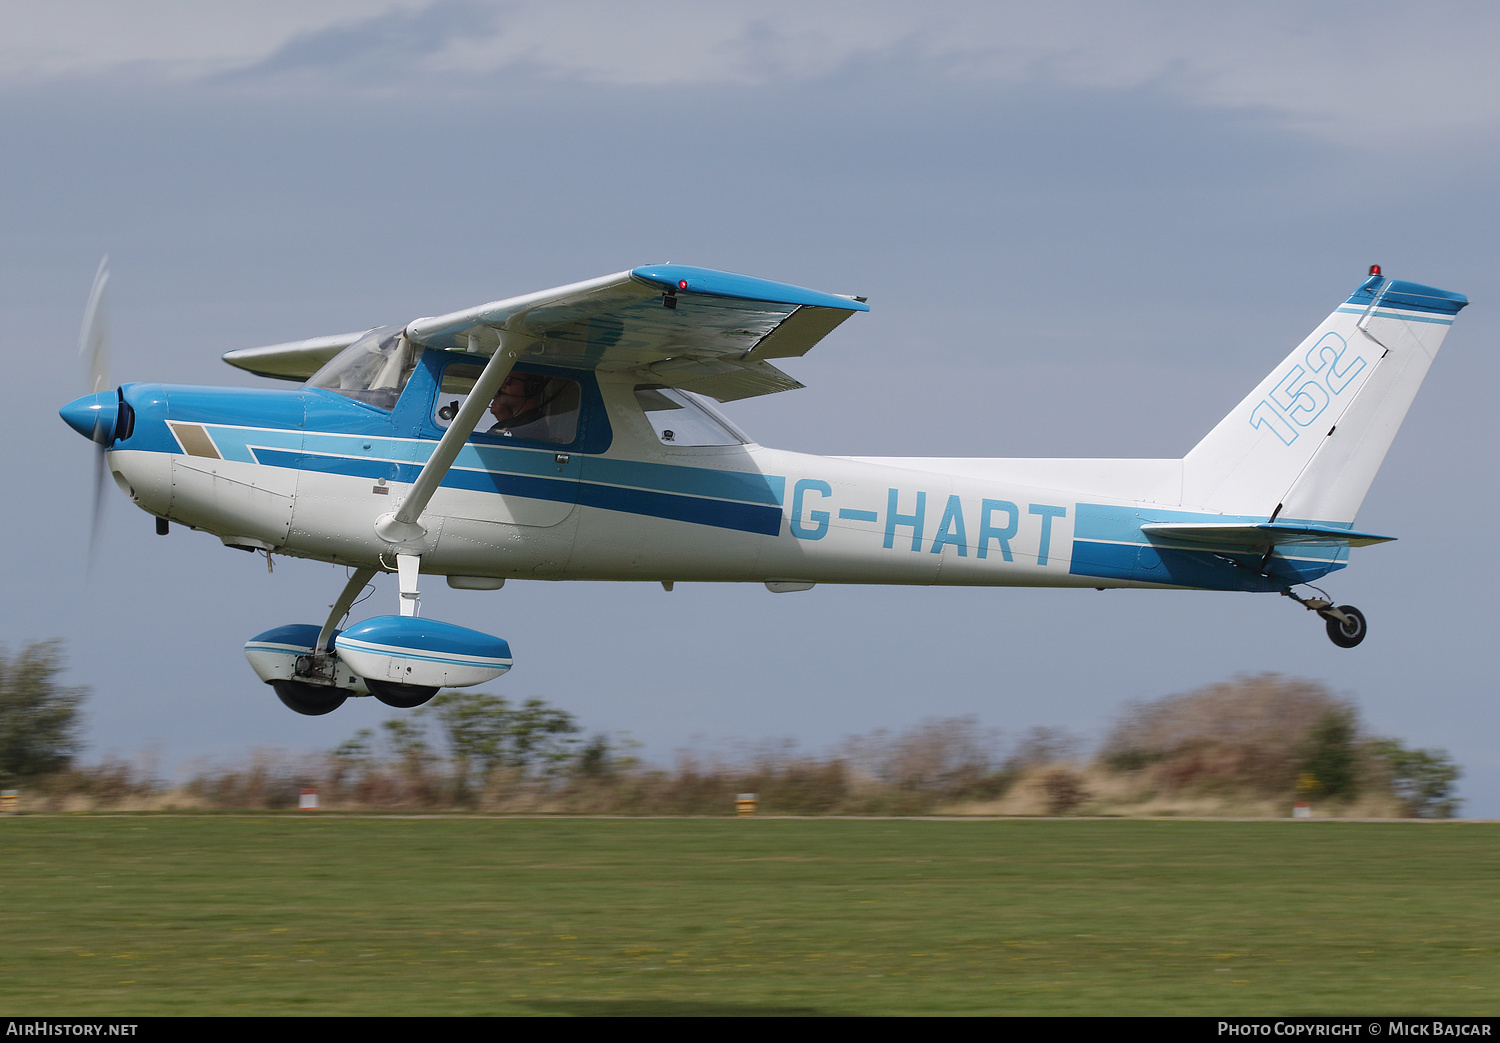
{"type": "Point", "coordinates": [94, 416]}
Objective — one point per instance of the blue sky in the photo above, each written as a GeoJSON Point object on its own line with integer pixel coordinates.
{"type": "Point", "coordinates": [1087, 230]}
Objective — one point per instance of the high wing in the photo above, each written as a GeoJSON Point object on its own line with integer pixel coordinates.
{"type": "Point", "coordinates": [295, 360]}
{"type": "Point", "coordinates": [701, 330]}
{"type": "Point", "coordinates": [692, 328]}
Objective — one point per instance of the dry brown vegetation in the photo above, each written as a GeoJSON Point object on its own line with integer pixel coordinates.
{"type": "Point", "coordinates": [1243, 734]}
{"type": "Point", "coordinates": [1248, 747]}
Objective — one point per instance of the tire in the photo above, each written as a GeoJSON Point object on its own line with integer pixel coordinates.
{"type": "Point", "coordinates": [1347, 635]}
{"type": "Point", "coordinates": [401, 696]}
{"type": "Point", "coordinates": [310, 700]}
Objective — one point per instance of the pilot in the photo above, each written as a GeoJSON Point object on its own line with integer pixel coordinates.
{"type": "Point", "coordinates": [518, 402]}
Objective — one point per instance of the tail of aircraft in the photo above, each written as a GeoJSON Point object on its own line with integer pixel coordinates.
{"type": "Point", "coordinates": [1306, 443]}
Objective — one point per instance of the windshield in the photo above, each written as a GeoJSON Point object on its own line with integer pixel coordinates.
{"type": "Point", "coordinates": [373, 369]}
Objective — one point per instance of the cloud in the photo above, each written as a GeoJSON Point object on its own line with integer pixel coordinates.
{"type": "Point", "coordinates": [1369, 73]}
{"type": "Point", "coordinates": [391, 41]}
{"type": "Point", "coordinates": [42, 41]}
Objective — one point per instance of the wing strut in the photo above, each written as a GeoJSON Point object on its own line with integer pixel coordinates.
{"type": "Point", "coordinates": [402, 529]}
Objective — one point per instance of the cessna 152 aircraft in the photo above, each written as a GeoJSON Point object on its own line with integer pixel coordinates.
{"type": "Point", "coordinates": [561, 435]}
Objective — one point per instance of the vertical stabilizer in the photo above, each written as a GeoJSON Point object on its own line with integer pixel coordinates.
{"type": "Point", "coordinates": [1311, 436]}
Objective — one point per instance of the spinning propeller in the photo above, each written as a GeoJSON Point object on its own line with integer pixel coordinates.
{"type": "Point", "coordinates": [94, 336]}
{"type": "Point", "coordinates": [97, 414]}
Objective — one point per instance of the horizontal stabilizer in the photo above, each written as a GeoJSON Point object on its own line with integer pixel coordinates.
{"type": "Point", "coordinates": [1264, 534]}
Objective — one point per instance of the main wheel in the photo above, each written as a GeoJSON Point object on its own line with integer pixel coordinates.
{"type": "Point", "coordinates": [401, 696]}
{"type": "Point", "coordinates": [311, 700]}
{"type": "Point", "coordinates": [1347, 635]}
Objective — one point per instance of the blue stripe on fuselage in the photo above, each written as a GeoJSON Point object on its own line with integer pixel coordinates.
{"type": "Point", "coordinates": [1206, 570]}
{"type": "Point", "coordinates": [700, 481]}
{"type": "Point", "coordinates": [723, 514]}
{"type": "Point", "coordinates": [1108, 543]}
{"type": "Point", "coordinates": [744, 517]}
{"type": "Point", "coordinates": [247, 444]}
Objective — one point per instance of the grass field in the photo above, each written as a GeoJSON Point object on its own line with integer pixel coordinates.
{"type": "Point", "coordinates": [307, 915]}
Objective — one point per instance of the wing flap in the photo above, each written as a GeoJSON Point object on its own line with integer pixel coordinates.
{"type": "Point", "coordinates": [1264, 534]}
{"type": "Point", "coordinates": [724, 381]}
{"type": "Point", "coordinates": [799, 332]}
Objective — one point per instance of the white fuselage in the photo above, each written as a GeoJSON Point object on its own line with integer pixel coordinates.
{"type": "Point", "coordinates": [644, 510]}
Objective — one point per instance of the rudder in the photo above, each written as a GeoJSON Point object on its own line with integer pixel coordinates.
{"type": "Point", "coordinates": [1310, 437]}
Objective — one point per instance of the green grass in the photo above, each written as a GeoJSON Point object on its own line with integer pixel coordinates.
{"type": "Point", "coordinates": [307, 915]}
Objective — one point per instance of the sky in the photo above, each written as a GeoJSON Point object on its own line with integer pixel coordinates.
{"type": "Point", "coordinates": [1085, 229]}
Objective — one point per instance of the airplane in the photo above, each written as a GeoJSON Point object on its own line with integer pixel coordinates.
{"type": "Point", "coordinates": [565, 434]}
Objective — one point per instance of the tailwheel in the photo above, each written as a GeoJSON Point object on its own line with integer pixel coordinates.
{"type": "Point", "coordinates": [310, 700]}
{"type": "Point", "coordinates": [1346, 632]}
{"type": "Point", "coordinates": [401, 696]}
{"type": "Point", "coordinates": [1346, 624]}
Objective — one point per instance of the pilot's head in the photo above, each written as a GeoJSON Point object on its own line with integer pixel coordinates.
{"type": "Point", "coordinates": [520, 394]}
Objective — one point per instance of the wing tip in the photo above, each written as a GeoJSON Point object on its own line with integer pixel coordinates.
{"type": "Point", "coordinates": [683, 278]}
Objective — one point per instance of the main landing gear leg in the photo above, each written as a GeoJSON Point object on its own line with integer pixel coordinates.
{"type": "Point", "coordinates": [313, 689]}
{"type": "Point", "coordinates": [1346, 624]}
{"type": "Point", "coordinates": [320, 666]}
{"type": "Point", "coordinates": [340, 608]}
{"type": "Point", "coordinates": [404, 696]}
{"type": "Point", "coordinates": [407, 566]}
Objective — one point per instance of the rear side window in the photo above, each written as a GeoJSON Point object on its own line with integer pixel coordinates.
{"type": "Point", "coordinates": [679, 418]}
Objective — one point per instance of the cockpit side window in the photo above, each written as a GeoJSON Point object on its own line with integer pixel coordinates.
{"type": "Point", "coordinates": [373, 369]}
{"type": "Point", "coordinates": [679, 418]}
{"type": "Point", "coordinates": [531, 406]}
